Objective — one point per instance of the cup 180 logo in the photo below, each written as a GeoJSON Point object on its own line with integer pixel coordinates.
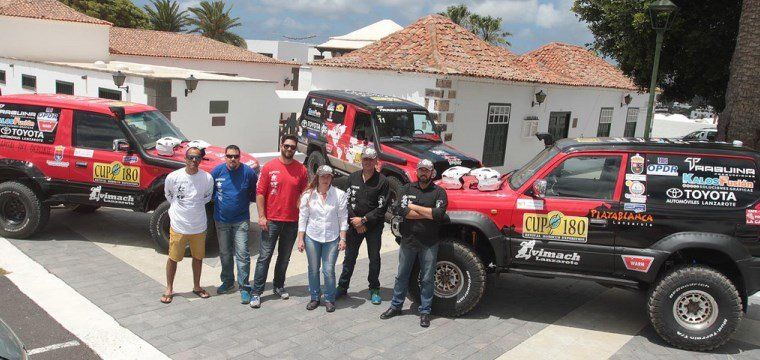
{"type": "Point", "coordinates": [116, 173]}
{"type": "Point", "coordinates": [555, 226]}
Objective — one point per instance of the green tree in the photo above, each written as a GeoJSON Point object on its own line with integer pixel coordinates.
{"type": "Point", "coordinates": [213, 21]}
{"type": "Point", "coordinates": [165, 15]}
{"type": "Point", "coordinates": [696, 51]}
{"type": "Point", "coordinates": [488, 28]}
{"type": "Point", "coordinates": [122, 13]}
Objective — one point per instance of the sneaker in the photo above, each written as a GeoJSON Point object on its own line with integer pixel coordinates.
{"type": "Point", "coordinates": [329, 306]}
{"type": "Point", "coordinates": [255, 301]}
{"type": "Point", "coordinates": [245, 297]}
{"type": "Point", "coordinates": [312, 305]}
{"type": "Point", "coordinates": [225, 288]}
{"type": "Point", "coordinates": [374, 296]}
{"type": "Point", "coordinates": [282, 293]}
{"type": "Point", "coordinates": [340, 292]}
{"type": "Point", "coordinates": [424, 320]}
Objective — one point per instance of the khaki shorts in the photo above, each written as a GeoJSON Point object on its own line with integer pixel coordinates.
{"type": "Point", "coordinates": [178, 242]}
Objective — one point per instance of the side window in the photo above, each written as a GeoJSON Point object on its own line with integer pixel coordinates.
{"type": "Point", "coordinates": [717, 182]}
{"type": "Point", "coordinates": [95, 131]}
{"type": "Point", "coordinates": [587, 177]}
{"type": "Point", "coordinates": [336, 112]}
{"type": "Point", "coordinates": [363, 126]}
{"type": "Point", "coordinates": [29, 123]}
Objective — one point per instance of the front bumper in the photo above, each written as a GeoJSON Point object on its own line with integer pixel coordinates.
{"type": "Point", "coordinates": [753, 306]}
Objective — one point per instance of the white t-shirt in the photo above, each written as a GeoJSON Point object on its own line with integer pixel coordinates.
{"type": "Point", "coordinates": [187, 195]}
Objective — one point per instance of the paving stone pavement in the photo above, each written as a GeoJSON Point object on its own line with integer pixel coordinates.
{"type": "Point", "coordinates": [514, 309]}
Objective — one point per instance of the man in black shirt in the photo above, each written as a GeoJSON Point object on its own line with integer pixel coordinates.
{"type": "Point", "coordinates": [367, 203]}
{"type": "Point", "coordinates": [422, 206]}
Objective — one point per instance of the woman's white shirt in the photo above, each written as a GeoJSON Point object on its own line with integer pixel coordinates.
{"type": "Point", "coordinates": [323, 219]}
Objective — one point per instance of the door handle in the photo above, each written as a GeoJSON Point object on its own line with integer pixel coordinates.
{"type": "Point", "coordinates": [599, 222]}
{"type": "Point", "coordinates": [81, 164]}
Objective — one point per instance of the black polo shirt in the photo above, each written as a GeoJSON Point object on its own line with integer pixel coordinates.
{"type": "Point", "coordinates": [368, 199]}
{"type": "Point", "coordinates": [416, 232]}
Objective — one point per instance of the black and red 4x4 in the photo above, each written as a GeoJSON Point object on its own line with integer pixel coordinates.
{"type": "Point", "coordinates": [681, 219]}
{"type": "Point", "coordinates": [85, 153]}
{"type": "Point", "coordinates": [335, 126]}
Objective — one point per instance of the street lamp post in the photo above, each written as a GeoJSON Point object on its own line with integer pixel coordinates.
{"type": "Point", "coordinates": [661, 13]}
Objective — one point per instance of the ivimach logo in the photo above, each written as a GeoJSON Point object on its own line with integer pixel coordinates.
{"type": "Point", "coordinates": [527, 251]}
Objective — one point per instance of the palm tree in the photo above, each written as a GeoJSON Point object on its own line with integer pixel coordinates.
{"type": "Point", "coordinates": [213, 21]}
{"type": "Point", "coordinates": [165, 15]}
{"type": "Point", "coordinates": [488, 28]}
{"type": "Point", "coordinates": [459, 14]}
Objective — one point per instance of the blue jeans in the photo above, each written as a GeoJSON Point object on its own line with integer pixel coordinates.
{"type": "Point", "coordinates": [406, 256]}
{"type": "Point", "coordinates": [234, 237]}
{"type": "Point", "coordinates": [286, 232]}
{"type": "Point", "coordinates": [321, 255]}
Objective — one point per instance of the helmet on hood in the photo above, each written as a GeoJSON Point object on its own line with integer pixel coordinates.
{"type": "Point", "coordinates": [165, 146]}
{"type": "Point", "coordinates": [452, 177]}
{"type": "Point", "coordinates": [488, 179]}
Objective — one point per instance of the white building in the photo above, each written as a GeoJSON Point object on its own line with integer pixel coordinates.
{"type": "Point", "coordinates": [301, 53]}
{"type": "Point", "coordinates": [339, 45]}
{"type": "Point", "coordinates": [486, 95]}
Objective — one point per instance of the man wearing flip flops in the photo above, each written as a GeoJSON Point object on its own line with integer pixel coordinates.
{"type": "Point", "coordinates": [187, 190]}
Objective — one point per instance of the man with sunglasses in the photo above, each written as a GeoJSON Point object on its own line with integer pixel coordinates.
{"type": "Point", "coordinates": [187, 190]}
{"type": "Point", "coordinates": [234, 190]}
{"type": "Point", "coordinates": [281, 184]}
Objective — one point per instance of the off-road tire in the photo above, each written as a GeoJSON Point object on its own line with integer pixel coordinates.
{"type": "Point", "coordinates": [85, 209]}
{"type": "Point", "coordinates": [695, 284]}
{"type": "Point", "coordinates": [314, 161]}
{"type": "Point", "coordinates": [473, 277]}
{"type": "Point", "coordinates": [394, 188]}
{"type": "Point", "coordinates": [159, 229]}
{"type": "Point", "coordinates": [32, 219]}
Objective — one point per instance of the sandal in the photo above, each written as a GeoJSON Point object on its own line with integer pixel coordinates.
{"type": "Point", "coordinates": [167, 299]}
{"type": "Point", "coordinates": [203, 294]}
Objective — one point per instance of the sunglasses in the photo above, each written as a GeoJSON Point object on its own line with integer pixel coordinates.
{"type": "Point", "coordinates": [194, 157]}
{"type": "Point", "coordinates": [233, 156]}
{"type": "Point", "coordinates": [289, 147]}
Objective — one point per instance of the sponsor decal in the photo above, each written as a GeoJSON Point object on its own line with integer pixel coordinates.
{"type": "Point", "coordinates": [700, 197]}
{"type": "Point", "coordinates": [530, 204]}
{"type": "Point", "coordinates": [97, 195]}
{"type": "Point", "coordinates": [663, 170]}
{"type": "Point", "coordinates": [312, 134]}
{"type": "Point", "coordinates": [528, 251]}
{"type": "Point", "coordinates": [331, 107]}
{"type": "Point", "coordinates": [555, 226]}
{"type": "Point", "coordinates": [47, 121]}
{"type": "Point", "coordinates": [694, 166]}
{"type": "Point", "coordinates": [636, 208]}
{"type": "Point", "coordinates": [637, 164]}
{"type": "Point", "coordinates": [314, 112]}
{"type": "Point", "coordinates": [623, 217]}
{"type": "Point", "coordinates": [723, 181]}
{"type": "Point", "coordinates": [317, 103]}
{"type": "Point", "coordinates": [340, 108]}
{"type": "Point", "coordinates": [637, 188]}
{"type": "Point", "coordinates": [85, 153]}
{"type": "Point", "coordinates": [384, 109]}
{"type": "Point", "coordinates": [33, 124]}
{"type": "Point", "coordinates": [312, 125]}
{"type": "Point", "coordinates": [753, 217]}
{"type": "Point", "coordinates": [116, 173]}
{"type": "Point", "coordinates": [134, 159]}
{"type": "Point", "coordinates": [636, 177]}
{"type": "Point", "coordinates": [662, 160]}
{"type": "Point", "coordinates": [17, 122]}
{"type": "Point", "coordinates": [21, 134]}
{"type": "Point", "coordinates": [637, 263]}
{"type": "Point", "coordinates": [58, 158]}
{"type": "Point", "coordinates": [587, 140]}
{"type": "Point", "coordinates": [452, 159]}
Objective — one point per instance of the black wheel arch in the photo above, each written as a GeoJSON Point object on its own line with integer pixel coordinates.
{"type": "Point", "coordinates": [26, 172]}
{"type": "Point", "coordinates": [154, 194]}
{"type": "Point", "coordinates": [392, 170]}
{"type": "Point", "coordinates": [480, 233]}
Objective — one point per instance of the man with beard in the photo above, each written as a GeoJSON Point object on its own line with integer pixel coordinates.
{"type": "Point", "coordinates": [280, 186]}
{"type": "Point", "coordinates": [422, 206]}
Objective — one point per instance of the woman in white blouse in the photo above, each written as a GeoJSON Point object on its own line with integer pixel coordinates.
{"type": "Point", "coordinates": [322, 225]}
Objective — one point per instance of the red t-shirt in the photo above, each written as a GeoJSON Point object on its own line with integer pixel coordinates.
{"type": "Point", "coordinates": [282, 186]}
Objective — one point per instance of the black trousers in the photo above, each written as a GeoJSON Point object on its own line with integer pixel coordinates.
{"type": "Point", "coordinates": [353, 241]}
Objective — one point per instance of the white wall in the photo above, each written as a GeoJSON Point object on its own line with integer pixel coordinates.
{"type": "Point", "coordinates": [272, 72]}
{"type": "Point", "coordinates": [49, 40]}
{"type": "Point", "coordinates": [584, 104]}
{"type": "Point", "coordinates": [665, 128]}
{"type": "Point", "coordinates": [262, 46]}
{"type": "Point", "coordinates": [410, 86]}
{"type": "Point", "coordinates": [252, 120]}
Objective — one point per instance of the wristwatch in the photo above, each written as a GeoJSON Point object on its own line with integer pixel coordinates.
{"type": "Point", "coordinates": [364, 219]}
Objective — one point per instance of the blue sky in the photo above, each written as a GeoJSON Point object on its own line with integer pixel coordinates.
{"type": "Point", "coordinates": [532, 22]}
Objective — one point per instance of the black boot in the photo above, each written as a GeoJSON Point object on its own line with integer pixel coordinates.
{"type": "Point", "coordinates": [391, 312]}
{"type": "Point", "coordinates": [424, 320]}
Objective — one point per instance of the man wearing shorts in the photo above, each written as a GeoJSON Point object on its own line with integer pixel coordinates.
{"type": "Point", "coordinates": [187, 190]}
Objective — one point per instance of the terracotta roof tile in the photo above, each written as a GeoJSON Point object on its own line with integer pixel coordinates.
{"type": "Point", "coordinates": [142, 42]}
{"type": "Point", "coordinates": [47, 10]}
{"type": "Point", "coordinates": [435, 45]}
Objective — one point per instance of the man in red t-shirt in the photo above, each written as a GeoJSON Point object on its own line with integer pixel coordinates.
{"type": "Point", "coordinates": [281, 183]}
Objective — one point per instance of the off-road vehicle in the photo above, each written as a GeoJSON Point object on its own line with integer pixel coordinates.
{"type": "Point", "coordinates": [85, 153]}
{"type": "Point", "coordinates": [335, 126]}
{"type": "Point", "coordinates": [679, 219]}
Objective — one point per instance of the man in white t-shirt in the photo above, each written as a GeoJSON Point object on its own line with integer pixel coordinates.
{"type": "Point", "coordinates": [187, 190]}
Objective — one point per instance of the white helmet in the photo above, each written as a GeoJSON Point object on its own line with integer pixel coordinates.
{"type": "Point", "coordinates": [452, 177]}
{"type": "Point", "coordinates": [165, 146]}
{"type": "Point", "coordinates": [200, 144]}
{"type": "Point", "coordinates": [488, 179]}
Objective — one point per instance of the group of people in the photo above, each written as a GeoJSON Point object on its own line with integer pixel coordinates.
{"type": "Point", "coordinates": [316, 216]}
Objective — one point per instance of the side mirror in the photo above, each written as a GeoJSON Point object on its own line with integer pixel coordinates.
{"type": "Point", "coordinates": [121, 145]}
{"type": "Point", "coordinates": [439, 128]}
{"type": "Point", "coordinates": [539, 188]}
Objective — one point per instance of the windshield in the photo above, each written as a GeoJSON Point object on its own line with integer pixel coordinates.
{"type": "Point", "coordinates": [521, 176]}
{"type": "Point", "coordinates": [149, 126]}
{"type": "Point", "coordinates": [405, 125]}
